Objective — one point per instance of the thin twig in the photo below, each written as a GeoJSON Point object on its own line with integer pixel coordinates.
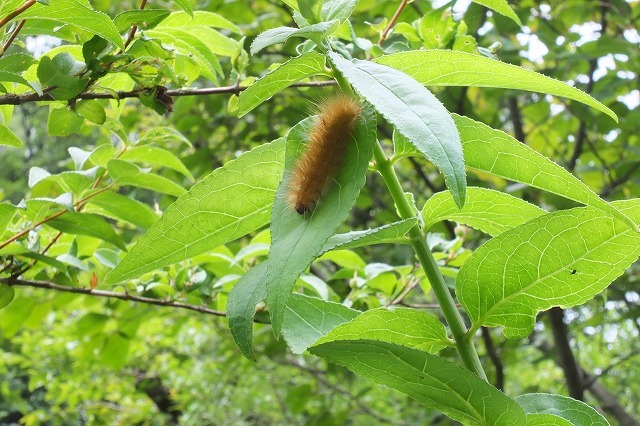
{"type": "Point", "coordinates": [16, 12]}
{"type": "Point", "coordinates": [13, 99]}
{"type": "Point", "coordinates": [110, 294]}
{"type": "Point", "coordinates": [49, 218]}
{"type": "Point", "coordinates": [392, 22]}
{"type": "Point", "coordinates": [13, 36]}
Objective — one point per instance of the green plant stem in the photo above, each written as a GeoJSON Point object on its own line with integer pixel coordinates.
{"type": "Point", "coordinates": [451, 314]}
{"type": "Point", "coordinates": [465, 346]}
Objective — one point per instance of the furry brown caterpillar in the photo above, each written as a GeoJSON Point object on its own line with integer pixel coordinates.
{"type": "Point", "coordinates": [328, 140]}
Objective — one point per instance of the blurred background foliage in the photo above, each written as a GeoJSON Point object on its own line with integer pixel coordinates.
{"type": "Point", "coordinates": [73, 359]}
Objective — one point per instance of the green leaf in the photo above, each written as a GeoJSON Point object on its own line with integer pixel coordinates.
{"type": "Point", "coordinates": [200, 18]}
{"type": "Point", "coordinates": [576, 412]}
{"type": "Point", "coordinates": [125, 173]}
{"type": "Point", "coordinates": [456, 68]}
{"type": "Point", "coordinates": [7, 293]}
{"type": "Point", "coordinates": [185, 5]}
{"type": "Point", "coordinates": [391, 233]}
{"type": "Point", "coordinates": [495, 152]}
{"type": "Point", "coordinates": [92, 110]}
{"type": "Point", "coordinates": [145, 19]}
{"type": "Point", "coordinates": [124, 208]}
{"type": "Point", "coordinates": [87, 224]}
{"type": "Point", "coordinates": [488, 210]}
{"type": "Point", "coordinates": [8, 138]}
{"type": "Point", "coordinates": [189, 45]}
{"type": "Point", "coordinates": [296, 69]}
{"type": "Point", "coordinates": [502, 7]}
{"type": "Point", "coordinates": [415, 112]}
{"type": "Point", "coordinates": [157, 157]}
{"type": "Point", "coordinates": [546, 420]}
{"type": "Point", "coordinates": [46, 260]}
{"type": "Point", "coordinates": [297, 239]}
{"type": "Point", "coordinates": [214, 41]}
{"type": "Point", "coordinates": [337, 9]}
{"type": "Point", "coordinates": [559, 259]}
{"type": "Point", "coordinates": [7, 213]}
{"type": "Point", "coordinates": [76, 13]}
{"type": "Point", "coordinates": [13, 77]}
{"type": "Point", "coordinates": [306, 319]}
{"type": "Point", "coordinates": [310, 9]}
{"type": "Point", "coordinates": [400, 326]}
{"type": "Point", "coordinates": [250, 289]}
{"type": "Point", "coordinates": [164, 136]}
{"type": "Point", "coordinates": [16, 63]}
{"type": "Point", "coordinates": [282, 34]}
{"type": "Point", "coordinates": [72, 261]}
{"type": "Point", "coordinates": [229, 203]}
{"type": "Point", "coordinates": [432, 381]}
{"type": "Point", "coordinates": [63, 122]}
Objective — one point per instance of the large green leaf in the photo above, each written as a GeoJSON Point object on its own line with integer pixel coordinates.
{"type": "Point", "coordinates": [87, 224]}
{"type": "Point", "coordinates": [126, 173]}
{"type": "Point", "coordinates": [307, 319]}
{"type": "Point", "coordinates": [77, 13]}
{"type": "Point", "coordinates": [456, 68]}
{"type": "Point", "coordinates": [488, 210]}
{"type": "Point", "coordinates": [297, 239]}
{"type": "Point", "coordinates": [576, 412]}
{"type": "Point", "coordinates": [432, 381]}
{"type": "Point", "coordinates": [306, 65]}
{"type": "Point", "coordinates": [493, 151]}
{"type": "Point", "coordinates": [415, 112]}
{"type": "Point", "coordinates": [232, 201]}
{"type": "Point", "coordinates": [559, 259]}
{"type": "Point", "coordinates": [400, 326]}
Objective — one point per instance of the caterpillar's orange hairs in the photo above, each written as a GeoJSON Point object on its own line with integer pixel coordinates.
{"type": "Point", "coordinates": [328, 140]}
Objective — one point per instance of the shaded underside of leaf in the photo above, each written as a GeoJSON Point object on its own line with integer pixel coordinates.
{"type": "Point", "coordinates": [430, 380]}
{"type": "Point", "coordinates": [414, 111]}
{"type": "Point", "coordinates": [297, 239]}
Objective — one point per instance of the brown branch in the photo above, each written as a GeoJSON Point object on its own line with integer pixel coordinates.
{"type": "Point", "coordinates": [134, 29]}
{"type": "Point", "coordinates": [13, 99]}
{"type": "Point", "coordinates": [16, 12]}
{"type": "Point", "coordinates": [495, 358]}
{"type": "Point", "coordinates": [566, 359]}
{"type": "Point", "coordinates": [110, 294]}
{"type": "Point", "coordinates": [516, 118]}
{"type": "Point", "coordinates": [12, 37]}
{"type": "Point", "coordinates": [392, 22]}
{"type": "Point", "coordinates": [593, 65]}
